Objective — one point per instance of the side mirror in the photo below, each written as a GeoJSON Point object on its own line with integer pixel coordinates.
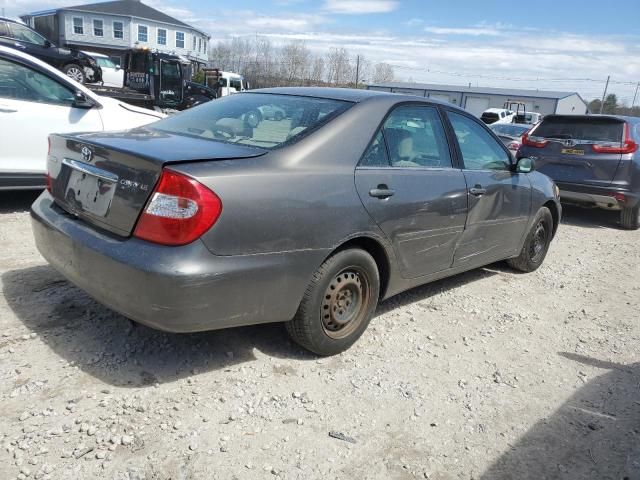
{"type": "Point", "coordinates": [48, 44]}
{"type": "Point", "coordinates": [80, 100]}
{"type": "Point", "coordinates": [118, 67]}
{"type": "Point", "coordinates": [525, 165]}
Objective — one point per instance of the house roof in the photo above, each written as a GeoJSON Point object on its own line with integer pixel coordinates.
{"type": "Point", "coordinates": [129, 8]}
{"type": "Point", "coordinates": [511, 92]}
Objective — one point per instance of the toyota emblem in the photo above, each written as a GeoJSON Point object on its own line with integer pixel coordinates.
{"type": "Point", "coordinates": [86, 153]}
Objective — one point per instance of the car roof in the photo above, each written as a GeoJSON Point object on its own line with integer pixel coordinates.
{"type": "Point", "coordinates": [496, 110]}
{"type": "Point", "coordinates": [7, 52]}
{"type": "Point", "coordinates": [595, 116]}
{"type": "Point", "coordinates": [355, 95]}
{"type": "Point", "coordinates": [95, 54]}
{"type": "Point", "coordinates": [13, 20]}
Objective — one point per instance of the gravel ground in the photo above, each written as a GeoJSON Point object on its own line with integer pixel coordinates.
{"type": "Point", "coordinates": [487, 375]}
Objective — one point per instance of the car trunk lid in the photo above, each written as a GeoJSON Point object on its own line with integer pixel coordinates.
{"type": "Point", "coordinates": [574, 149]}
{"type": "Point", "coordinates": [106, 179]}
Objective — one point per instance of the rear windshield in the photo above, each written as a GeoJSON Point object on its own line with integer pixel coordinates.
{"type": "Point", "coordinates": [257, 119]}
{"type": "Point", "coordinates": [511, 130]}
{"type": "Point", "coordinates": [489, 117]}
{"type": "Point", "coordinates": [581, 128]}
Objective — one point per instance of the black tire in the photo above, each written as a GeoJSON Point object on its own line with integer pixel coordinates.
{"type": "Point", "coordinates": [536, 245]}
{"type": "Point", "coordinates": [75, 72]}
{"type": "Point", "coordinates": [338, 303]}
{"type": "Point", "coordinates": [630, 218]}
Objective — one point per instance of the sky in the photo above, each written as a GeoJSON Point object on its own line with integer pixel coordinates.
{"type": "Point", "coordinates": [565, 45]}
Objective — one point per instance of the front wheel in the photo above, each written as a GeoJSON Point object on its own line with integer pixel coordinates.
{"type": "Point", "coordinates": [338, 303]}
{"type": "Point", "coordinates": [75, 72]}
{"type": "Point", "coordinates": [630, 218]}
{"type": "Point", "coordinates": [536, 245]}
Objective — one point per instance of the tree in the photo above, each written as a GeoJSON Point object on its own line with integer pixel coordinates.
{"type": "Point", "coordinates": [610, 104]}
{"type": "Point", "coordinates": [383, 72]}
{"type": "Point", "coordinates": [594, 105]}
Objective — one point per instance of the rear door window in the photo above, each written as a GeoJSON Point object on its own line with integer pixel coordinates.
{"type": "Point", "coordinates": [18, 82]}
{"type": "Point", "coordinates": [592, 129]}
{"type": "Point", "coordinates": [415, 138]}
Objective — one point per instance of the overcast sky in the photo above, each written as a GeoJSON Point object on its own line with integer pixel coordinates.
{"type": "Point", "coordinates": [552, 45]}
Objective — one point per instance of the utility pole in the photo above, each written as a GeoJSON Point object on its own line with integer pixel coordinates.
{"type": "Point", "coordinates": [635, 95]}
{"type": "Point", "coordinates": [357, 69]}
{"type": "Point", "coordinates": [604, 94]}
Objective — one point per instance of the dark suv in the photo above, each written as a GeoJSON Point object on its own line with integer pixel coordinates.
{"type": "Point", "coordinates": [594, 160]}
{"type": "Point", "coordinates": [77, 65]}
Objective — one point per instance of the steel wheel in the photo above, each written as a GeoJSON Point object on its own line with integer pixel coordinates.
{"type": "Point", "coordinates": [538, 243]}
{"type": "Point", "coordinates": [344, 304]}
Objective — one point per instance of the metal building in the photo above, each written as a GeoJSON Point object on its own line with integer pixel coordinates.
{"type": "Point", "coordinates": [477, 99]}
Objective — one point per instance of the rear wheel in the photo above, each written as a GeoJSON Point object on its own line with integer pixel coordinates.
{"type": "Point", "coordinates": [536, 245]}
{"type": "Point", "coordinates": [338, 303]}
{"type": "Point", "coordinates": [630, 218]}
{"type": "Point", "coordinates": [74, 71]}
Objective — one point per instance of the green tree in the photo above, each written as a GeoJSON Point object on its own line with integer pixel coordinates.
{"type": "Point", "coordinates": [594, 105]}
{"type": "Point", "coordinates": [610, 104]}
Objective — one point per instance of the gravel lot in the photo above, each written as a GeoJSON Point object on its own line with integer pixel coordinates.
{"type": "Point", "coordinates": [486, 375]}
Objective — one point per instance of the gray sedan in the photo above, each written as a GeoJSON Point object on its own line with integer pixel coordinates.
{"type": "Point", "coordinates": [214, 218]}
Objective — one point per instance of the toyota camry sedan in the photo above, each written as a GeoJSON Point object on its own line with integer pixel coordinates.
{"type": "Point", "coordinates": [220, 216]}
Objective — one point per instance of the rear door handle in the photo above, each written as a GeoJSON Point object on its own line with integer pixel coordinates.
{"type": "Point", "coordinates": [381, 192]}
{"type": "Point", "coordinates": [477, 190]}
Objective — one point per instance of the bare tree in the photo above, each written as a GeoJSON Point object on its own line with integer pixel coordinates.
{"type": "Point", "coordinates": [339, 67]}
{"type": "Point", "coordinates": [316, 76]}
{"type": "Point", "coordinates": [383, 72]}
{"type": "Point", "coordinates": [294, 64]}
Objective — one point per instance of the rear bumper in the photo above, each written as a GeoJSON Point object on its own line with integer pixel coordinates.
{"type": "Point", "coordinates": [602, 197]}
{"type": "Point", "coordinates": [177, 289]}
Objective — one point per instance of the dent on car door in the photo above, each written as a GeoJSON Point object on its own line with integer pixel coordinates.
{"type": "Point", "coordinates": [33, 105]}
{"type": "Point", "coordinates": [499, 198]}
{"type": "Point", "coordinates": [407, 183]}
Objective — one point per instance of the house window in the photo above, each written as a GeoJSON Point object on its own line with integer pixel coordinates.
{"type": "Point", "coordinates": [98, 29]}
{"type": "Point", "coordinates": [78, 25]}
{"type": "Point", "coordinates": [179, 39]}
{"type": "Point", "coordinates": [118, 30]}
{"type": "Point", "coordinates": [143, 33]}
{"type": "Point", "coordinates": [162, 36]}
{"type": "Point", "coordinates": [194, 43]}
{"type": "Point", "coordinates": [199, 44]}
{"type": "Point", "coordinates": [205, 46]}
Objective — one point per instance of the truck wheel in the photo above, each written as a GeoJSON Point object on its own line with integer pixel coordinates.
{"type": "Point", "coordinates": [536, 245]}
{"type": "Point", "coordinates": [338, 303]}
{"type": "Point", "coordinates": [74, 71]}
{"type": "Point", "coordinates": [630, 218]}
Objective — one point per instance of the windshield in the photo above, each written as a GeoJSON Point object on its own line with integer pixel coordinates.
{"type": "Point", "coordinates": [597, 129]}
{"type": "Point", "coordinates": [235, 83]}
{"type": "Point", "coordinates": [257, 119]}
{"type": "Point", "coordinates": [490, 117]}
{"type": "Point", "coordinates": [105, 62]}
{"type": "Point", "coordinates": [511, 130]}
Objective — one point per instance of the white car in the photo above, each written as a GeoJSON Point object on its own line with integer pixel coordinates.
{"type": "Point", "coordinates": [112, 74]}
{"type": "Point", "coordinates": [37, 100]}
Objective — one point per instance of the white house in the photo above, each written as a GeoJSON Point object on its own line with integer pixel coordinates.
{"type": "Point", "coordinates": [116, 26]}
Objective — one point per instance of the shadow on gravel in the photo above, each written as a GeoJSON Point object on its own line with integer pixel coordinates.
{"type": "Point", "coordinates": [18, 201]}
{"type": "Point", "coordinates": [594, 435]}
{"type": "Point", "coordinates": [589, 217]}
{"type": "Point", "coordinates": [120, 352]}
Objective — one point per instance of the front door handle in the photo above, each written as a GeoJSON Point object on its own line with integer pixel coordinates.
{"type": "Point", "coordinates": [18, 45]}
{"type": "Point", "coordinates": [477, 191]}
{"type": "Point", "coordinates": [381, 192]}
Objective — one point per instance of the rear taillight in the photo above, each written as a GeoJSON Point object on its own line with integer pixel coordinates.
{"type": "Point", "coordinates": [536, 142]}
{"type": "Point", "coordinates": [180, 210]}
{"type": "Point", "coordinates": [49, 186]}
{"type": "Point", "coordinates": [627, 145]}
{"type": "Point", "coordinates": [49, 183]}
